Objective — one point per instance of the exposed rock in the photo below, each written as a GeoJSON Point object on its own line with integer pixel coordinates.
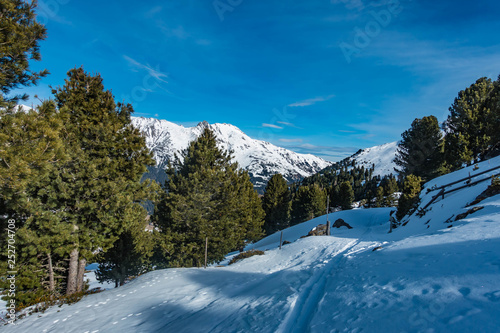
{"type": "Point", "coordinates": [341, 223]}
{"type": "Point", "coordinates": [467, 213]}
{"type": "Point", "coordinates": [492, 190]}
{"type": "Point", "coordinates": [320, 230]}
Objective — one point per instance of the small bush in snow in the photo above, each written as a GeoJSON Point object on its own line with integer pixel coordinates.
{"type": "Point", "coordinates": [246, 254]}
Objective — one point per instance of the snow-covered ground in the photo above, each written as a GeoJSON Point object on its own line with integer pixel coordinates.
{"type": "Point", "coordinates": [423, 277]}
{"type": "Point", "coordinates": [381, 156]}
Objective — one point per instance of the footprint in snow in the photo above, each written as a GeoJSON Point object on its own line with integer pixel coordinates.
{"type": "Point", "coordinates": [494, 296]}
{"type": "Point", "coordinates": [464, 291]}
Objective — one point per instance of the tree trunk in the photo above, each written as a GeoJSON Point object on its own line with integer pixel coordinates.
{"type": "Point", "coordinates": [81, 271]}
{"type": "Point", "coordinates": [52, 285]}
{"type": "Point", "coordinates": [72, 272]}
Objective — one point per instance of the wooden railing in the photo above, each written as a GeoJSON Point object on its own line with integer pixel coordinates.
{"type": "Point", "coordinates": [468, 181]}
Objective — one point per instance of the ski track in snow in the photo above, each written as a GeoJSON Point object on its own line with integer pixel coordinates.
{"type": "Point", "coordinates": [429, 276]}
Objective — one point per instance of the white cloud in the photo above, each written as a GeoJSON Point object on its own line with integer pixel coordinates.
{"type": "Point", "coordinates": [290, 140]}
{"type": "Point", "coordinates": [156, 73]}
{"type": "Point", "coordinates": [271, 126]}
{"type": "Point", "coordinates": [311, 101]}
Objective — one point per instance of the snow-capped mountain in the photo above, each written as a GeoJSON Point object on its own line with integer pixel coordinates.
{"type": "Point", "coordinates": [381, 156]}
{"type": "Point", "coordinates": [261, 159]}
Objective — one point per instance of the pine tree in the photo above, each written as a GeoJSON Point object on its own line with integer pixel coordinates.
{"type": "Point", "coordinates": [346, 195]}
{"type": "Point", "coordinates": [390, 186]}
{"type": "Point", "coordinates": [420, 150]}
{"type": "Point", "coordinates": [277, 204]}
{"type": "Point", "coordinates": [380, 198]}
{"type": "Point", "coordinates": [469, 132]}
{"type": "Point", "coordinates": [129, 255]}
{"type": "Point", "coordinates": [206, 196]}
{"type": "Point", "coordinates": [19, 38]}
{"type": "Point", "coordinates": [100, 188]}
{"type": "Point", "coordinates": [308, 203]}
{"type": "Point", "coordinates": [31, 148]}
{"type": "Point", "coordinates": [411, 191]}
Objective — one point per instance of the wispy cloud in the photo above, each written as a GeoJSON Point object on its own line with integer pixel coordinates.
{"type": "Point", "coordinates": [290, 140]}
{"type": "Point", "coordinates": [271, 126]}
{"type": "Point", "coordinates": [311, 101]}
{"type": "Point", "coordinates": [156, 73]}
{"type": "Point", "coordinates": [288, 124]}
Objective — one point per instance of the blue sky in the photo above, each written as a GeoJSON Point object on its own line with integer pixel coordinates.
{"type": "Point", "coordinates": [321, 76]}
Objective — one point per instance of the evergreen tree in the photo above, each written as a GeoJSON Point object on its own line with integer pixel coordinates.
{"type": "Point", "coordinates": [411, 191]}
{"type": "Point", "coordinates": [31, 148]}
{"type": "Point", "coordinates": [19, 38]}
{"type": "Point", "coordinates": [390, 188]}
{"type": "Point", "coordinates": [380, 198]}
{"type": "Point", "coordinates": [308, 203]}
{"type": "Point", "coordinates": [206, 196]}
{"type": "Point", "coordinates": [470, 127]}
{"type": "Point", "coordinates": [100, 188]}
{"type": "Point", "coordinates": [346, 195]}
{"type": "Point", "coordinates": [129, 255]}
{"type": "Point", "coordinates": [420, 150]}
{"type": "Point", "coordinates": [277, 204]}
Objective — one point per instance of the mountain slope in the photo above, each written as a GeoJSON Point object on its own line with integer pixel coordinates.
{"type": "Point", "coordinates": [423, 277]}
{"type": "Point", "coordinates": [381, 156]}
{"type": "Point", "coordinates": [261, 159]}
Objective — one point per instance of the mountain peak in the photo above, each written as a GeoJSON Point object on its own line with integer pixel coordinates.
{"type": "Point", "coordinates": [204, 124]}
{"type": "Point", "coordinates": [261, 160]}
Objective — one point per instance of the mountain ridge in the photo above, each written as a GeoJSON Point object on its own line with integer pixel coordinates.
{"type": "Point", "coordinates": [260, 158]}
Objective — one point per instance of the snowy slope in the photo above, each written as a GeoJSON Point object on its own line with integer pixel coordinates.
{"type": "Point", "coordinates": [382, 156]}
{"type": "Point", "coordinates": [426, 277]}
{"type": "Point", "coordinates": [261, 159]}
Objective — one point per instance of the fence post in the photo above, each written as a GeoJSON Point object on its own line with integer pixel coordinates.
{"type": "Point", "coordinates": [327, 210]}
{"type": "Point", "coordinates": [206, 252]}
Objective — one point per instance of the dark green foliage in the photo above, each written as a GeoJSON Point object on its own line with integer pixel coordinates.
{"type": "Point", "coordinates": [206, 196]}
{"type": "Point", "coordinates": [31, 148]}
{"type": "Point", "coordinates": [472, 126]}
{"type": "Point", "coordinates": [308, 203]}
{"type": "Point", "coordinates": [408, 201]}
{"type": "Point", "coordinates": [71, 179]}
{"type": "Point", "coordinates": [420, 150]}
{"type": "Point", "coordinates": [100, 189]}
{"type": "Point", "coordinates": [277, 204]}
{"type": "Point", "coordinates": [19, 38]}
{"type": "Point", "coordinates": [244, 255]}
{"type": "Point", "coordinates": [380, 198]}
{"type": "Point", "coordinates": [346, 195]}
{"type": "Point", "coordinates": [128, 257]}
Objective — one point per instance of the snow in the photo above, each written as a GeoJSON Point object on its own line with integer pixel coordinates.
{"type": "Point", "coordinates": [382, 156]}
{"type": "Point", "coordinates": [423, 277]}
{"type": "Point", "coordinates": [262, 159]}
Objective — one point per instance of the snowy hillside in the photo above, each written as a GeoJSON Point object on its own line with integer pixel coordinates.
{"type": "Point", "coordinates": [431, 275]}
{"type": "Point", "coordinates": [382, 156]}
{"type": "Point", "coordinates": [260, 158]}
